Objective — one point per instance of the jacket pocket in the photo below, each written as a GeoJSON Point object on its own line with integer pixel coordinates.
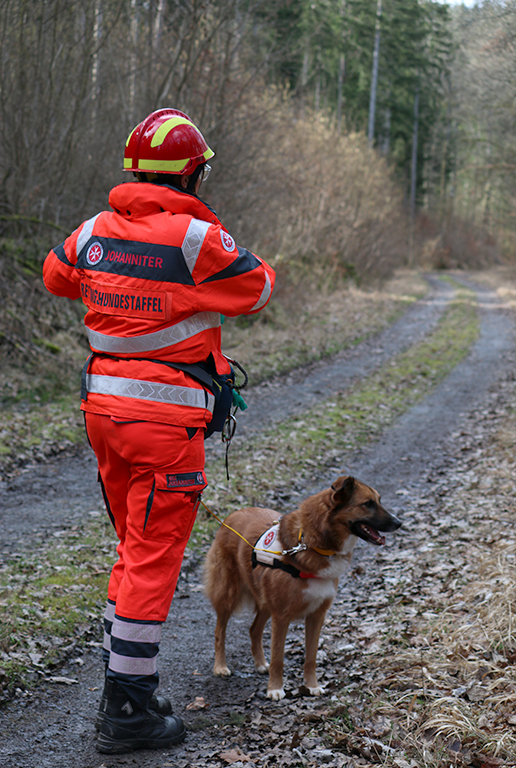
{"type": "Point", "coordinates": [172, 504]}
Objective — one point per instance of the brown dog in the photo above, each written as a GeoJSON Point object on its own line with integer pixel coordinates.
{"type": "Point", "coordinates": [310, 549]}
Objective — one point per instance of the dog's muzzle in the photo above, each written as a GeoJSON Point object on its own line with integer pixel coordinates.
{"type": "Point", "coordinates": [369, 530]}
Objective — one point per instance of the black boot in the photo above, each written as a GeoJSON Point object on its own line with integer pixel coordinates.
{"type": "Point", "coordinates": [158, 704]}
{"type": "Point", "coordinates": [124, 728]}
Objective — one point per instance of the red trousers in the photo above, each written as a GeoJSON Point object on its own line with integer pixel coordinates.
{"type": "Point", "coordinates": [152, 476]}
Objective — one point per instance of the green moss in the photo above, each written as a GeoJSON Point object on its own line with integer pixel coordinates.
{"type": "Point", "coordinates": [40, 430]}
{"type": "Point", "coordinates": [50, 597]}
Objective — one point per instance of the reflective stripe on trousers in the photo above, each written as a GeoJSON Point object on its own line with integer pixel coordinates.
{"type": "Point", "coordinates": [130, 653]}
{"type": "Point", "coordinates": [139, 389]}
{"type": "Point", "coordinates": [148, 342]}
{"type": "Point", "coordinates": [134, 647]}
{"type": "Point", "coordinates": [109, 615]}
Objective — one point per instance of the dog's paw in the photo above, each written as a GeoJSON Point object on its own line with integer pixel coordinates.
{"type": "Point", "coordinates": [221, 671]}
{"type": "Point", "coordinates": [276, 694]}
{"type": "Point", "coordinates": [316, 691]}
{"type": "Point", "coordinates": [262, 669]}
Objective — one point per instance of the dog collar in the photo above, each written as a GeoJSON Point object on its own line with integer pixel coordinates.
{"type": "Point", "coordinates": [325, 552]}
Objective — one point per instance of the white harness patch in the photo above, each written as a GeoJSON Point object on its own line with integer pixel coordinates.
{"type": "Point", "coordinates": [268, 547]}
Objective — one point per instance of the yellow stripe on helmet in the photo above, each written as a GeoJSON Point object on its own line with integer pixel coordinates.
{"type": "Point", "coordinates": [129, 137]}
{"type": "Point", "coordinates": [170, 166]}
{"type": "Point", "coordinates": [165, 128]}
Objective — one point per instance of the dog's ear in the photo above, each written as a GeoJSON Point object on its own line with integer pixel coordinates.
{"type": "Point", "coordinates": [343, 489]}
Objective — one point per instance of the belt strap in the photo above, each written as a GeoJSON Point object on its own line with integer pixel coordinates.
{"type": "Point", "coordinates": [198, 371]}
{"type": "Point", "coordinates": [287, 567]}
{"type": "Point", "coordinates": [84, 378]}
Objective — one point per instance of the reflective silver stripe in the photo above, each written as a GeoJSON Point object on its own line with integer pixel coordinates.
{"type": "Point", "coordinates": [136, 633]}
{"type": "Point", "coordinates": [109, 614]}
{"type": "Point", "coordinates": [86, 233]}
{"type": "Point", "coordinates": [107, 641]}
{"type": "Point", "coordinates": [157, 340]}
{"type": "Point", "coordinates": [149, 390]}
{"type": "Point", "coordinates": [129, 666]}
{"type": "Point", "coordinates": [193, 241]}
{"type": "Point", "coordinates": [264, 298]}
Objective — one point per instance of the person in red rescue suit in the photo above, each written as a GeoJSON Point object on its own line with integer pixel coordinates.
{"type": "Point", "coordinates": [155, 273]}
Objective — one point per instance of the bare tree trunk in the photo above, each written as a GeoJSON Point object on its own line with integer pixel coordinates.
{"type": "Point", "coordinates": [486, 216]}
{"type": "Point", "coordinates": [158, 26]}
{"type": "Point", "coordinates": [304, 77]}
{"type": "Point", "coordinates": [97, 32]}
{"type": "Point", "coordinates": [374, 77]}
{"type": "Point", "coordinates": [342, 70]}
{"type": "Point", "coordinates": [386, 142]}
{"type": "Point", "coordinates": [442, 171]}
{"type": "Point", "coordinates": [413, 175]}
{"type": "Point", "coordinates": [486, 219]}
{"type": "Point", "coordinates": [133, 60]}
{"type": "Point", "coordinates": [413, 163]}
{"type": "Point", "coordinates": [317, 91]}
{"type": "Point", "coordinates": [340, 90]}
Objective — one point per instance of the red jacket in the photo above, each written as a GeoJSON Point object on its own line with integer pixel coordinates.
{"type": "Point", "coordinates": [155, 274]}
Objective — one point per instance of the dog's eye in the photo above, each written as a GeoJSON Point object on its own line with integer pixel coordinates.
{"type": "Point", "coordinates": [370, 504]}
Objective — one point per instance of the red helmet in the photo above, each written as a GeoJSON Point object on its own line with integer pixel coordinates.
{"type": "Point", "coordinates": [166, 142]}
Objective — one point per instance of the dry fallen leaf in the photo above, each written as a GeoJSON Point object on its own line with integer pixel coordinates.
{"type": "Point", "coordinates": [199, 703]}
{"type": "Point", "coordinates": [234, 756]}
{"type": "Point", "coordinates": [484, 761]}
{"type": "Point", "coordinates": [64, 680]}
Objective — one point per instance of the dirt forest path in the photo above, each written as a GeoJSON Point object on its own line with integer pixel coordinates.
{"type": "Point", "coordinates": [60, 492]}
{"type": "Point", "coordinates": [230, 721]}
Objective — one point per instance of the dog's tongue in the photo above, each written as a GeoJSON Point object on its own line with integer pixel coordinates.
{"type": "Point", "coordinates": [374, 536]}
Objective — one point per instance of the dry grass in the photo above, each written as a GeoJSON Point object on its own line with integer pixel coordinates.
{"type": "Point", "coordinates": [502, 280]}
{"type": "Point", "coordinates": [308, 322]}
{"type": "Point", "coordinates": [443, 673]}
{"type": "Point", "coordinates": [458, 678]}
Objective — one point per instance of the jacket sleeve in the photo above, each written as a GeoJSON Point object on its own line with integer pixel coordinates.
{"type": "Point", "coordinates": [60, 275]}
{"type": "Point", "coordinates": [230, 279]}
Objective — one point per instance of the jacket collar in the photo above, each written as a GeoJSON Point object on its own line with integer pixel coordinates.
{"type": "Point", "coordinates": [136, 199]}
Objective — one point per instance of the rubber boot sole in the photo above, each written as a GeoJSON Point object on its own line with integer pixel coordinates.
{"type": "Point", "coordinates": [108, 746]}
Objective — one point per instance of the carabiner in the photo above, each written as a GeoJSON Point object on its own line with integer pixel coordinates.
{"type": "Point", "coordinates": [228, 430]}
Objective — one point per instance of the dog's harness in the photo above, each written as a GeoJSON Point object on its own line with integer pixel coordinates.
{"type": "Point", "coordinates": [263, 554]}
